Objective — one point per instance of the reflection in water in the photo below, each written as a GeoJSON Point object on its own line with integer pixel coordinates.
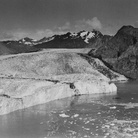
{"type": "Point", "coordinates": [97, 116]}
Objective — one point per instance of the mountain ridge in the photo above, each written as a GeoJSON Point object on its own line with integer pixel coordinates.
{"type": "Point", "coordinates": [69, 40]}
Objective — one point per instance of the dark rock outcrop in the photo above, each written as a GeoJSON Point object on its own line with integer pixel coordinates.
{"type": "Point", "coordinates": [121, 51]}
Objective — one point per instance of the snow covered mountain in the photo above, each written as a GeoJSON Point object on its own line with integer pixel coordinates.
{"type": "Point", "coordinates": [27, 41]}
{"type": "Point", "coordinates": [121, 51]}
{"type": "Point", "coordinates": [85, 37]}
{"type": "Point", "coordinates": [23, 41]}
{"type": "Point", "coordinates": [82, 39]}
{"type": "Point", "coordinates": [15, 47]}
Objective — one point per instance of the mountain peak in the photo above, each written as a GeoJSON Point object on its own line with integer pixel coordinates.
{"type": "Point", "coordinates": [27, 41]}
{"type": "Point", "coordinates": [127, 27]}
{"type": "Point", "coordinates": [127, 30]}
{"type": "Point", "coordinates": [87, 35]}
{"type": "Point", "coordinates": [129, 33]}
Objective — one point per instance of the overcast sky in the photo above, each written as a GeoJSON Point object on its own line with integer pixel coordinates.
{"type": "Point", "coordinates": [39, 18]}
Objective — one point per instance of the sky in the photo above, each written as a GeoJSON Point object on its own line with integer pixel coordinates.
{"type": "Point", "coordinates": [44, 18]}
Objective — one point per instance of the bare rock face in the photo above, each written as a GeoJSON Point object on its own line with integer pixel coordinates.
{"type": "Point", "coordinates": [127, 63]}
{"type": "Point", "coordinates": [32, 79]}
{"type": "Point", "coordinates": [120, 52]}
{"type": "Point", "coordinates": [119, 43]}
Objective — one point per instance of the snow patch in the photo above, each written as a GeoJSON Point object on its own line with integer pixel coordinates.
{"type": "Point", "coordinates": [90, 35]}
{"type": "Point", "coordinates": [63, 115]}
{"type": "Point", "coordinates": [46, 40]}
{"type": "Point", "coordinates": [34, 40]}
{"type": "Point", "coordinates": [49, 39]}
{"type": "Point", "coordinates": [83, 34]}
{"type": "Point", "coordinates": [87, 35]}
{"type": "Point", "coordinates": [114, 107]}
{"type": "Point", "coordinates": [8, 42]}
{"type": "Point", "coordinates": [86, 40]}
{"type": "Point", "coordinates": [73, 34]}
{"type": "Point", "coordinates": [27, 43]}
{"type": "Point", "coordinates": [23, 40]}
{"type": "Point", "coordinates": [76, 115]}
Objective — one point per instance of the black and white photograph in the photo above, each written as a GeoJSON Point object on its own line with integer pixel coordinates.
{"type": "Point", "coordinates": [68, 68]}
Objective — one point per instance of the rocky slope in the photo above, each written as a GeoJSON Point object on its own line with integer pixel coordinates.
{"type": "Point", "coordinates": [120, 52]}
{"type": "Point", "coordinates": [31, 79]}
{"type": "Point", "coordinates": [127, 63]}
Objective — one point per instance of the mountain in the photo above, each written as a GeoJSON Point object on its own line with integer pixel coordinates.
{"type": "Point", "coordinates": [16, 47]}
{"type": "Point", "coordinates": [4, 50]}
{"type": "Point", "coordinates": [113, 48]}
{"type": "Point", "coordinates": [27, 41]}
{"type": "Point", "coordinates": [121, 51]}
{"type": "Point", "coordinates": [81, 39]}
{"type": "Point", "coordinates": [24, 41]}
{"type": "Point", "coordinates": [44, 39]}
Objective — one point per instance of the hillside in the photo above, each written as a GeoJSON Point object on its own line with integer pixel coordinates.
{"type": "Point", "coordinates": [120, 51]}
{"type": "Point", "coordinates": [5, 50]}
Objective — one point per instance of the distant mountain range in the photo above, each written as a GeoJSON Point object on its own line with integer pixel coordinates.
{"type": "Point", "coordinates": [82, 39]}
{"type": "Point", "coordinates": [85, 37]}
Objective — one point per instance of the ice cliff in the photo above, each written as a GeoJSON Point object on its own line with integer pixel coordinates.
{"type": "Point", "coordinates": [31, 79]}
